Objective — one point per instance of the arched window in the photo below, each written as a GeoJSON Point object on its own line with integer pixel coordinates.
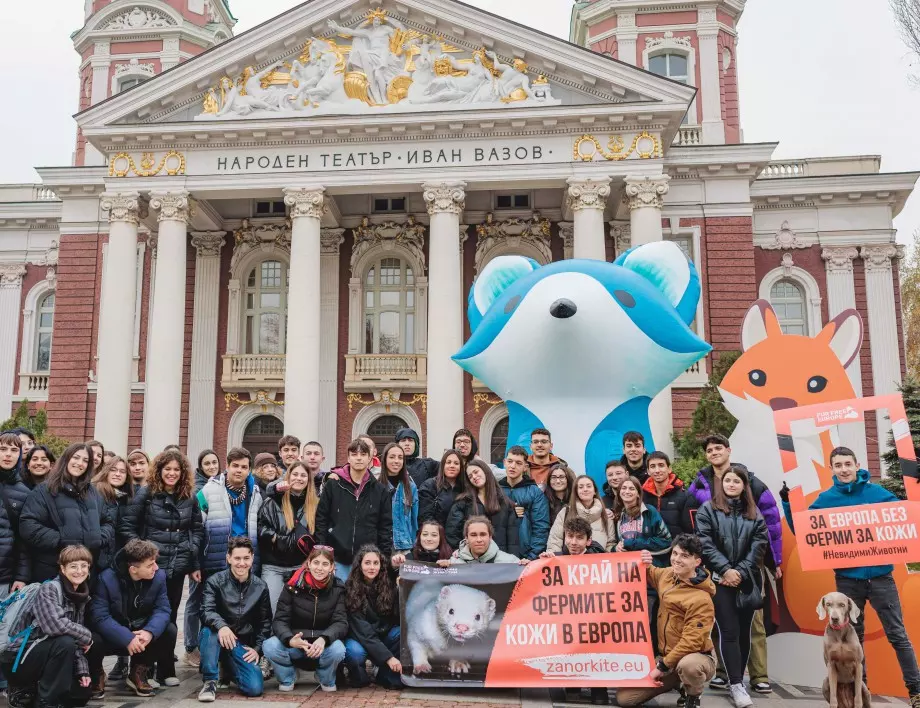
{"type": "Point", "coordinates": [499, 443]}
{"type": "Point", "coordinates": [788, 301]}
{"type": "Point", "coordinates": [265, 308]}
{"type": "Point", "coordinates": [389, 308]}
{"type": "Point", "coordinates": [262, 434]}
{"type": "Point", "coordinates": [43, 332]}
{"type": "Point", "coordinates": [383, 430]}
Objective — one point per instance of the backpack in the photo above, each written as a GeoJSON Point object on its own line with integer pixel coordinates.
{"type": "Point", "coordinates": [15, 610]}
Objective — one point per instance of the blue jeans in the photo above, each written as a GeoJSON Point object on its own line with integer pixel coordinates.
{"type": "Point", "coordinates": [283, 659]}
{"type": "Point", "coordinates": [342, 570]}
{"type": "Point", "coordinates": [192, 608]}
{"type": "Point", "coordinates": [356, 656]}
{"type": "Point", "coordinates": [248, 676]}
{"type": "Point", "coordinates": [274, 576]}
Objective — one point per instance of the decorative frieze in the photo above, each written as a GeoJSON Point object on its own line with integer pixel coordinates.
{"type": "Point", "coordinates": [444, 197]}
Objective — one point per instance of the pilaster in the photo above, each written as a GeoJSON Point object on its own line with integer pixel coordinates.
{"type": "Point", "coordinates": [330, 245]}
{"type": "Point", "coordinates": [11, 275]}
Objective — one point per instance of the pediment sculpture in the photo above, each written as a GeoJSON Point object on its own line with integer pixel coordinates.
{"type": "Point", "coordinates": [386, 67]}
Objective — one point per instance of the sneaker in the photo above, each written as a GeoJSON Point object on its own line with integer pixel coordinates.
{"type": "Point", "coordinates": [153, 683]}
{"type": "Point", "coordinates": [681, 697]}
{"type": "Point", "coordinates": [740, 696]}
{"type": "Point", "coordinates": [192, 658]}
{"type": "Point", "coordinates": [328, 689]}
{"type": "Point", "coordinates": [718, 682]}
{"type": "Point", "coordinates": [208, 692]}
{"type": "Point", "coordinates": [119, 672]}
{"type": "Point", "coordinates": [692, 701]}
{"type": "Point", "coordinates": [97, 689]}
{"type": "Point", "coordinates": [20, 696]}
{"type": "Point", "coordinates": [171, 681]}
{"type": "Point", "coordinates": [223, 684]}
{"type": "Point", "coordinates": [286, 687]}
{"type": "Point", "coordinates": [762, 687]}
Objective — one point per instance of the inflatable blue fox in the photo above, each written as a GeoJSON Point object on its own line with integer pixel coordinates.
{"type": "Point", "coordinates": [581, 347]}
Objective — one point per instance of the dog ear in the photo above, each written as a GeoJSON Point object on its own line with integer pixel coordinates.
{"type": "Point", "coordinates": [822, 612]}
{"type": "Point", "coordinates": [854, 610]}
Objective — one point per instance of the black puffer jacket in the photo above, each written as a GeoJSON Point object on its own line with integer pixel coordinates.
{"type": "Point", "coordinates": [243, 607]}
{"type": "Point", "coordinates": [49, 522]}
{"type": "Point", "coordinates": [201, 479]}
{"type": "Point", "coordinates": [504, 523]}
{"type": "Point", "coordinates": [350, 516]}
{"type": "Point", "coordinates": [14, 556]}
{"type": "Point", "coordinates": [278, 543]}
{"type": "Point", "coordinates": [314, 613]}
{"type": "Point", "coordinates": [642, 473]}
{"type": "Point", "coordinates": [370, 628]}
{"type": "Point", "coordinates": [116, 510]}
{"type": "Point", "coordinates": [675, 504]}
{"type": "Point", "coordinates": [420, 468]}
{"type": "Point", "coordinates": [433, 503]}
{"type": "Point", "coordinates": [173, 525]}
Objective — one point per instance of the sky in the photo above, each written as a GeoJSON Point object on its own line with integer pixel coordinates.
{"type": "Point", "coordinates": [821, 77]}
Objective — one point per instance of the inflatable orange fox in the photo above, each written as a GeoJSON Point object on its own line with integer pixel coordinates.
{"type": "Point", "coordinates": [776, 371]}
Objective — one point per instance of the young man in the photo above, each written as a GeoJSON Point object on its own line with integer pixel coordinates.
{"type": "Point", "coordinates": [27, 438]}
{"type": "Point", "coordinates": [465, 444]}
{"type": "Point", "coordinates": [685, 620]}
{"type": "Point", "coordinates": [374, 467]}
{"type": "Point", "coordinates": [420, 468]}
{"type": "Point", "coordinates": [634, 455]}
{"type": "Point", "coordinates": [577, 539]}
{"type": "Point", "coordinates": [872, 582]}
{"type": "Point", "coordinates": [129, 613]}
{"type": "Point", "coordinates": [718, 454]}
{"type": "Point", "coordinates": [530, 503]}
{"type": "Point", "coordinates": [288, 451]}
{"type": "Point", "coordinates": [312, 456]}
{"type": "Point", "coordinates": [354, 509]}
{"type": "Point", "coordinates": [477, 545]}
{"type": "Point", "coordinates": [236, 618]}
{"type": "Point", "coordinates": [615, 472]}
{"type": "Point", "coordinates": [664, 491]}
{"type": "Point", "coordinates": [230, 506]}
{"type": "Point", "coordinates": [542, 461]}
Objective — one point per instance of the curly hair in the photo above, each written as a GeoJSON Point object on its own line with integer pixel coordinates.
{"type": "Point", "coordinates": [380, 593]}
{"type": "Point", "coordinates": [184, 487]}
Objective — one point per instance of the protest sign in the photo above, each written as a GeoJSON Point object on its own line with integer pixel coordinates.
{"type": "Point", "coordinates": [852, 536]}
{"type": "Point", "coordinates": [565, 621]}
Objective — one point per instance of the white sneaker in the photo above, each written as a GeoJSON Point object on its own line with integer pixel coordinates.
{"type": "Point", "coordinates": [172, 681]}
{"type": "Point", "coordinates": [328, 689]}
{"type": "Point", "coordinates": [153, 683]}
{"type": "Point", "coordinates": [286, 687]}
{"type": "Point", "coordinates": [739, 696]}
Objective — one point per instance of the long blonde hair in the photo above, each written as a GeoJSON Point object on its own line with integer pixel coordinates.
{"type": "Point", "coordinates": [311, 499]}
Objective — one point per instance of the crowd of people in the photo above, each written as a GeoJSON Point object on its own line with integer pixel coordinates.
{"type": "Point", "coordinates": [292, 568]}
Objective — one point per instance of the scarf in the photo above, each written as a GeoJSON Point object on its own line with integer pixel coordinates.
{"type": "Point", "coordinates": [302, 577]}
{"type": "Point", "coordinates": [78, 597]}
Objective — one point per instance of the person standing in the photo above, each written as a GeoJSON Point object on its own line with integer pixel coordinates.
{"type": "Point", "coordinates": [288, 450]}
{"type": "Point", "coordinates": [483, 497]}
{"type": "Point", "coordinates": [313, 457]}
{"type": "Point", "coordinates": [664, 491]}
{"type": "Point", "coordinates": [559, 489]}
{"type": "Point", "coordinates": [634, 455]}
{"type": "Point", "coordinates": [208, 466]}
{"type": "Point", "coordinates": [585, 504]}
{"type": "Point", "coordinates": [421, 469]}
{"type": "Point", "coordinates": [734, 538]}
{"type": "Point", "coordinates": [98, 458]}
{"type": "Point", "coordinates": [529, 504]}
{"type": "Point", "coordinates": [38, 463]}
{"type": "Point", "coordinates": [542, 461]}
{"type": "Point", "coordinates": [66, 511]}
{"type": "Point", "coordinates": [465, 443]}
{"type": "Point", "coordinates": [640, 527]}
{"type": "Point", "coordinates": [436, 496]}
{"type": "Point", "coordinates": [138, 467]}
{"type": "Point", "coordinates": [265, 470]}
{"type": "Point", "coordinates": [395, 477]}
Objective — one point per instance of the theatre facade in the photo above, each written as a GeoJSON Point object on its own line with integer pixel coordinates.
{"type": "Point", "coordinates": [276, 232]}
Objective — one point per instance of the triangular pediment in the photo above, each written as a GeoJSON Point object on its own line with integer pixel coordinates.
{"type": "Point", "coordinates": [338, 57]}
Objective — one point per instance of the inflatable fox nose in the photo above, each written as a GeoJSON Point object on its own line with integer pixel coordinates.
{"type": "Point", "coordinates": [563, 308]}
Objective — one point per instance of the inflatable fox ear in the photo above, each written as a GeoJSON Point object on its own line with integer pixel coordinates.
{"type": "Point", "coordinates": [666, 267]}
{"type": "Point", "coordinates": [499, 274]}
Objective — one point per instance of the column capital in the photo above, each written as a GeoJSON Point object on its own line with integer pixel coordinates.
{"type": "Point", "coordinates": [839, 258]}
{"type": "Point", "coordinates": [306, 202]}
{"type": "Point", "coordinates": [444, 197]}
{"type": "Point", "coordinates": [878, 258]}
{"type": "Point", "coordinates": [123, 206]}
{"type": "Point", "coordinates": [330, 240]}
{"type": "Point", "coordinates": [644, 192]}
{"type": "Point", "coordinates": [11, 274]}
{"type": "Point", "coordinates": [587, 193]}
{"type": "Point", "coordinates": [173, 206]}
{"type": "Point", "coordinates": [567, 234]}
{"type": "Point", "coordinates": [208, 243]}
{"type": "Point", "coordinates": [621, 235]}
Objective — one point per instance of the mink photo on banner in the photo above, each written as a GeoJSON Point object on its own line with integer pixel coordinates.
{"type": "Point", "coordinates": [555, 622]}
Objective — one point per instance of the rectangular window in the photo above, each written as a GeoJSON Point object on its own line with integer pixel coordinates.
{"type": "Point", "coordinates": [389, 333]}
{"type": "Point", "coordinates": [512, 201]}
{"type": "Point", "coordinates": [410, 334]}
{"type": "Point", "coordinates": [273, 207]}
{"type": "Point", "coordinates": [43, 361]}
{"type": "Point", "coordinates": [249, 343]}
{"type": "Point", "coordinates": [389, 298]}
{"type": "Point", "coordinates": [271, 299]}
{"type": "Point", "coordinates": [270, 333]}
{"type": "Point", "coordinates": [369, 334]}
{"type": "Point", "coordinates": [389, 205]}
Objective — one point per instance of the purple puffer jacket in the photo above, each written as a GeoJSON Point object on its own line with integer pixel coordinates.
{"type": "Point", "coordinates": [702, 491]}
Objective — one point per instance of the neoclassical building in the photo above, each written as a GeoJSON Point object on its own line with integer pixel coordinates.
{"type": "Point", "coordinates": [277, 231]}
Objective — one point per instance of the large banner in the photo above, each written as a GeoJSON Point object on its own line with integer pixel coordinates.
{"type": "Point", "coordinates": [560, 622]}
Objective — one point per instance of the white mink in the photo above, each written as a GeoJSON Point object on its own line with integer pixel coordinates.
{"type": "Point", "coordinates": [438, 613]}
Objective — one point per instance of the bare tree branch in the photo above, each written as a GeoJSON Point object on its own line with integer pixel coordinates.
{"type": "Point", "coordinates": [907, 17]}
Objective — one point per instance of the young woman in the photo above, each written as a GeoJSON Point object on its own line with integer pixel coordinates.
{"type": "Point", "coordinates": [735, 538]}
{"type": "Point", "coordinates": [436, 495]}
{"type": "Point", "coordinates": [430, 546]}
{"type": "Point", "coordinates": [559, 487]}
{"type": "Point", "coordinates": [372, 602]}
{"type": "Point", "coordinates": [65, 511]}
{"type": "Point", "coordinates": [55, 655]}
{"type": "Point", "coordinates": [310, 623]}
{"type": "Point", "coordinates": [265, 469]}
{"type": "Point", "coordinates": [284, 519]}
{"type": "Point", "coordinates": [616, 474]}
{"type": "Point", "coordinates": [405, 497]}
{"type": "Point", "coordinates": [37, 465]}
{"type": "Point", "coordinates": [482, 496]}
{"type": "Point", "coordinates": [98, 454]}
{"type": "Point", "coordinates": [166, 512]}
{"type": "Point", "coordinates": [586, 503]}
{"type": "Point", "coordinates": [640, 527]}
{"type": "Point", "coordinates": [208, 466]}
{"type": "Point", "coordinates": [138, 467]}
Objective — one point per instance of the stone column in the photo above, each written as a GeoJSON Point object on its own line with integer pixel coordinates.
{"type": "Point", "coordinates": [708, 36]}
{"type": "Point", "coordinates": [587, 199]}
{"type": "Point", "coordinates": [841, 295]}
{"type": "Point", "coordinates": [302, 367]}
{"type": "Point", "coordinates": [203, 377]}
{"type": "Point", "coordinates": [445, 202]}
{"type": "Point", "coordinates": [166, 335]}
{"type": "Point", "coordinates": [330, 242]}
{"type": "Point", "coordinates": [883, 328]}
{"type": "Point", "coordinates": [115, 342]}
{"type": "Point", "coordinates": [11, 275]}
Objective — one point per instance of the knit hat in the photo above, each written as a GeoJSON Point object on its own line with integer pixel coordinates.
{"type": "Point", "coordinates": [264, 458]}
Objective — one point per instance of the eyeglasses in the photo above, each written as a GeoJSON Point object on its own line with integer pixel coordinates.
{"type": "Point", "coordinates": [539, 442]}
{"type": "Point", "coordinates": [558, 478]}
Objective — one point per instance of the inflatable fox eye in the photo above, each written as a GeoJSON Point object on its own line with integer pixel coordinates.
{"type": "Point", "coordinates": [816, 384]}
{"type": "Point", "coordinates": [624, 298]}
{"type": "Point", "coordinates": [758, 377]}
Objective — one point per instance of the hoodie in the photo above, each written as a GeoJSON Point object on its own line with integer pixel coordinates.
{"type": "Point", "coordinates": [420, 469]}
{"type": "Point", "coordinates": [685, 613]}
{"type": "Point", "coordinates": [492, 555]}
{"type": "Point", "coordinates": [540, 473]}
